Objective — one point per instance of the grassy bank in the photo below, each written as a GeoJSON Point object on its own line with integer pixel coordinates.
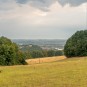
{"type": "Point", "coordinates": [64, 73]}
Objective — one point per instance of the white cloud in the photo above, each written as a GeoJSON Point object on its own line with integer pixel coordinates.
{"type": "Point", "coordinates": [23, 21]}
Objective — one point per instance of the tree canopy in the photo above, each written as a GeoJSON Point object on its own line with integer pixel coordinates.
{"type": "Point", "coordinates": [76, 45]}
{"type": "Point", "coordinates": [9, 53]}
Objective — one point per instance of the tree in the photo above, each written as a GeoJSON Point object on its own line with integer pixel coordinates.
{"type": "Point", "coordinates": [37, 54]}
{"type": "Point", "coordinates": [8, 52]}
{"type": "Point", "coordinates": [76, 45]}
{"type": "Point", "coordinates": [58, 53]}
{"type": "Point", "coordinates": [21, 58]}
{"type": "Point", "coordinates": [50, 53]}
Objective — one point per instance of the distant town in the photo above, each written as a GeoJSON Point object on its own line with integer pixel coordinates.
{"type": "Point", "coordinates": [45, 44]}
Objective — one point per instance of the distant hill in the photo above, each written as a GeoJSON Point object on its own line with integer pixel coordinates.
{"type": "Point", "coordinates": [43, 43]}
{"type": "Point", "coordinates": [29, 48]}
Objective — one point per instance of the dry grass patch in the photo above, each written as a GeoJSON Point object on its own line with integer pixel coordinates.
{"type": "Point", "coordinates": [45, 60]}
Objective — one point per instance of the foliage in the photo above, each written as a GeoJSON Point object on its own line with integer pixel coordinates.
{"type": "Point", "coordinates": [21, 58]}
{"type": "Point", "coordinates": [37, 54]}
{"type": "Point", "coordinates": [76, 45]}
{"type": "Point", "coordinates": [50, 53]}
{"type": "Point", "coordinates": [8, 52]}
{"type": "Point", "coordinates": [43, 53]}
{"type": "Point", "coordinates": [59, 53]}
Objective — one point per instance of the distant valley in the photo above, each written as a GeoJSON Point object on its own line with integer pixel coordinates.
{"type": "Point", "coordinates": [57, 44]}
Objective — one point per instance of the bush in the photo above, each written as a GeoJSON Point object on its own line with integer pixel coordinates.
{"type": "Point", "coordinates": [76, 45]}
{"type": "Point", "coordinates": [9, 52]}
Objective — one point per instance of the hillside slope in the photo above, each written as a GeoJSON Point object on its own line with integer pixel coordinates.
{"type": "Point", "coordinates": [64, 73]}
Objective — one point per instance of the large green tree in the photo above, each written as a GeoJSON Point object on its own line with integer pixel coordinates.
{"type": "Point", "coordinates": [9, 53]}
{"type": "Point", "coordinates": [76, 45]}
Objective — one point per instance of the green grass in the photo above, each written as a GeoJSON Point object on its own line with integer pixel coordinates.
{"type": "Point", "coordinates": [64, 73]}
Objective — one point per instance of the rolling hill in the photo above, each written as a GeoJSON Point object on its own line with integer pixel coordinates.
{"type": "Point", "coordinates": [61, 73]}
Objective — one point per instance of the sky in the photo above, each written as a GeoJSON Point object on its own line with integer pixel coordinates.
{"type": "Point", "coordinates": [42, 19]}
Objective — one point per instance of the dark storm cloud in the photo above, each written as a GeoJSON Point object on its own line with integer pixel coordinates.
{"type": "Point", "coordinates": [72, 2]}
{"type": "Point", "coordinates": [22, 1]}
{"type": "Point", "coordinates": [49, 2]}
{"type": "Point", "coordinates": [44, 4]}
{"type": "Point", "coordinates": [40, 4]}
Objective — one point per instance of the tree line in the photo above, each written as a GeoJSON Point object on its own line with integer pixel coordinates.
{"type": "Point", "coordinates": [35, 51]}
{"type": "Point", "coordinates": [42, 53]}
{"type": "Point", "coordinates": [10, 54]}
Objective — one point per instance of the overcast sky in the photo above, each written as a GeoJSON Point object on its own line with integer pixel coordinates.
{"type": "Point", "coordinates": [42, 19]}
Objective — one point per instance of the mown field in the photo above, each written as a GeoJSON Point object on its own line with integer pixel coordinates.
{"type": "Point", "coordinates": [61, 73]}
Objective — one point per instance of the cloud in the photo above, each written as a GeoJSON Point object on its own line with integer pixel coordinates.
{"type": "Point", "coordinates": [40, 4]}
{"type": "Point", "coordinates": [45, 4]}
{"type": "Point", "coordinates": [6, 5]}
{"type": "Point", "coordinates": [72, 2]}
{"type": "Point", "coordinates": [40, 18]}
{"type": "Point", "coordinates": [22, 1]}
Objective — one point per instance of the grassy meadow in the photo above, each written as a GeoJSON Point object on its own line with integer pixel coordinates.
{"type": "Point", "coordinates": [60, 73]}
